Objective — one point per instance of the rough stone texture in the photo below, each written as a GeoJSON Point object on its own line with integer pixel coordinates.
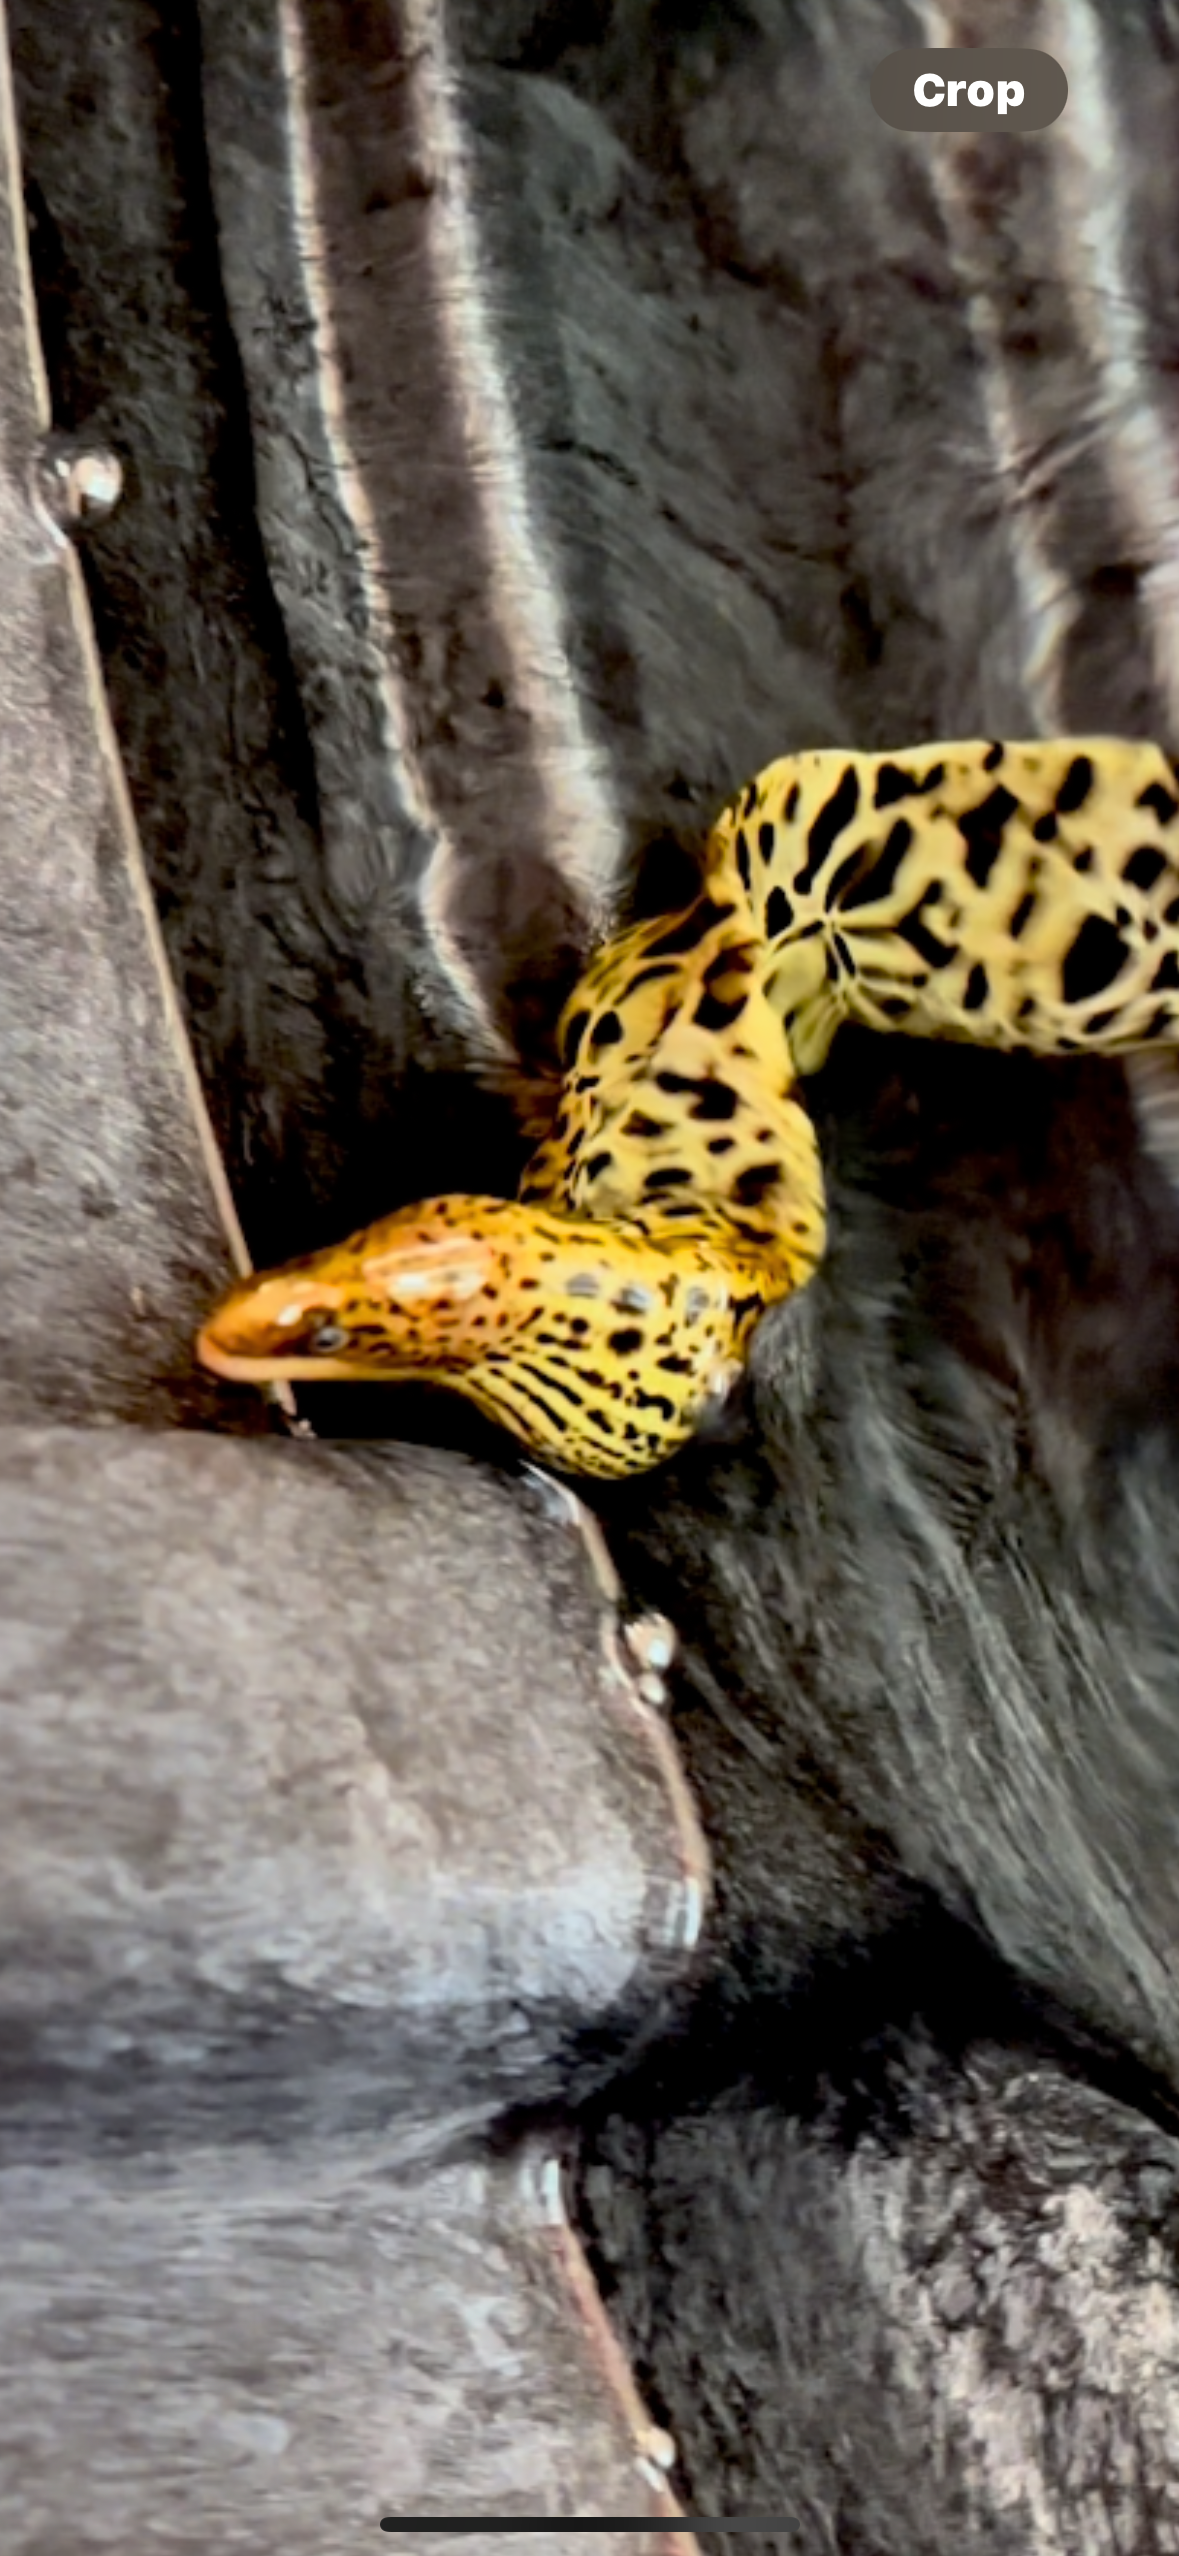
{"type": "Point", "coordinates": [806, 430]}
{"type": "Point", "coordinates": [962, 2282]}
{"type": "Point", "coordinates": [452, 701]}
{"type": "Point", "coordinates": [111, 1241]}
{"type": "Point", "coordinates": [235, 2349]}
{"type": "Point", "coordinates": [322, 1797]}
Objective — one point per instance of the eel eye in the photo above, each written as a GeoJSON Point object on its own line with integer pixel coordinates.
{"type": "Point", "coordinates": [330, 1335]}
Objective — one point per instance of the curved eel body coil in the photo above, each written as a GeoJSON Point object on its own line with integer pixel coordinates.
{"type": "Point", "coordinates": [1016, 896]}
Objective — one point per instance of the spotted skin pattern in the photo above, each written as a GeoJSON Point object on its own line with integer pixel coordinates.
{"type": "Point", "coordinates": [1015, 896]}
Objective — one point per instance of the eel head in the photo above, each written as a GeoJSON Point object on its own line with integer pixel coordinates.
{"type": "Point", "coordinates": [599, 1344]}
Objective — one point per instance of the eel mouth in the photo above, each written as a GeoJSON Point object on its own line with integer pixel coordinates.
{"type": "Point", "coordinates": [244, 1366]}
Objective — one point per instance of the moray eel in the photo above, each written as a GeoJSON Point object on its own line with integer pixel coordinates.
{"type": "Point", "coordinates": [1016, 896]}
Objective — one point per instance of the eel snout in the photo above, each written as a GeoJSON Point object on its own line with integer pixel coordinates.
{"type": "Point", "coordinates": [389, 1302]}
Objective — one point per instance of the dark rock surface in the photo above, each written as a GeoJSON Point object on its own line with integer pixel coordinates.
{"type": "Point", "coordinates": [788, 429]}
{"type": "Point", "coordinates": [947, 2298]}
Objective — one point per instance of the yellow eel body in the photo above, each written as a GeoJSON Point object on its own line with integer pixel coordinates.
{"type": "Point", "coordinates": [1016, 896]}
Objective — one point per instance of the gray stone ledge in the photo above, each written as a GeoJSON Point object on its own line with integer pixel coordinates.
{"type": "Point", "coordinates": [245, 2353]}
{"type": "Point", "coordinates": [321, 1790]}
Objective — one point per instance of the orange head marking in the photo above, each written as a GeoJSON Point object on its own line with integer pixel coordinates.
{"type": "Point", "coordinates": [598, 1344]}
